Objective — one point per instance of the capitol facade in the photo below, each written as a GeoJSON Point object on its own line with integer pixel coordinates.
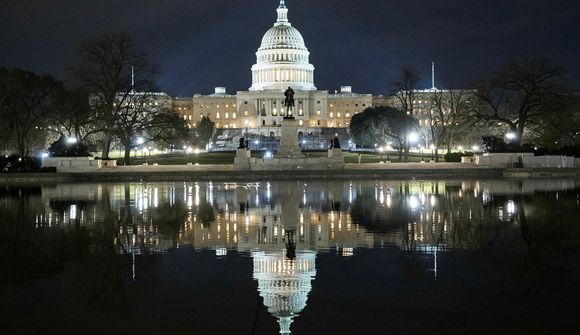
{"type": "Point", "coordinates": [282, 61]}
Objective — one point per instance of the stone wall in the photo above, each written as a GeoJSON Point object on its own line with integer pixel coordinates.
{"type": "Point", "coordinates": [524, 160]}
{"type": "Point", "coordinates": [72, 164]}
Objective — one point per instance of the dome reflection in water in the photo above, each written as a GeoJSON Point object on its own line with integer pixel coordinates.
{"type": "Point", "coordinates": [295, 232]}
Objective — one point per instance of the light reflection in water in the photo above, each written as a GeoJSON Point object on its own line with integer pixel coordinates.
{"type": "Point", "coordinates": [425, 217]}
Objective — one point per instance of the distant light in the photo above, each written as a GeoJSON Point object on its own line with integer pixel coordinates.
{"type": "Point", "coordinates": [44, 155]}
{"type": "Point", "coordinates": [460, 148]}
{"type": "Point", "coordinates": [475, 148]}
{"type": "Point", "coordinates": [432, 147]}
{"type": "Point", "coordinates": [71, 140]}
{"type": "Point", "coordinates": [197, 151]}
{"type": "Point", "coordinates": [140, 141]}
{"type": "Point", "coordinates": [510, 136]}
{"type": "Point", "coordinates": [268, 154]}
{"type": "Point", "coordinates": [303, 141]}
{"type": "Point", "coordinates": [256, 142]}
{"type": "Point", "coordinates": [413, 137]}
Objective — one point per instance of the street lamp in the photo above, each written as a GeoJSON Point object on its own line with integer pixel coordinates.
{"type": "Point", "coordinates": [413, 137]}
{"type": "Point", "coordinates": [511, 136]}
{"type": "Point", "coordinates": [71, 140]}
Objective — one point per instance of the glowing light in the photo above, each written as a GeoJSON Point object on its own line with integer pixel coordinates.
{"type": "Point", "coordinates": [475, 148]}
{"type": "Point", "coordinates": [413, 137]}
{"type": "Point", "coordinates": [511, 136]}
{"type": "Point", "coordinates": [140, 141]}
{"type": "Point", "coordinates": [511, 207]}
{"type": "Point", "coordinates": [413, 202]}
{"type": "Point", "coordinates": [71, 140]}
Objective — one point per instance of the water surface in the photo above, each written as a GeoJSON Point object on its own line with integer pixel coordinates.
{"type": "Point", "coordinates": [327, 257]}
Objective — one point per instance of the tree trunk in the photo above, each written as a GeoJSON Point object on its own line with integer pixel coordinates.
{"type": "Point", "coordinates": [127, 157]}
{"type": "Point", "coordinates": [106, 147]}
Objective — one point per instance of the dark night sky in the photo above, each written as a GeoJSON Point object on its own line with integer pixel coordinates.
{"type": "Point", "coordinates": [200, 44]}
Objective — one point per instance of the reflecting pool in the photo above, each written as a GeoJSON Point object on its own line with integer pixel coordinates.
{"type": "Point", "coordinates": [300, 257]}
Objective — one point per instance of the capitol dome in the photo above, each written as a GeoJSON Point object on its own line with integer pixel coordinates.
{"type": "Point", "coordinates": [284, 284]}
{"type": "Point", "coordinates": [282, 59]}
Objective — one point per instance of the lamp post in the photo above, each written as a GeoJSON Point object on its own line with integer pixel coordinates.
{"type": "Point", "coordinates": [432, 147]}
{"type": "Point", "coordinates": [196, 153]}
{"type": "Point", "coordinates": [189, 151]}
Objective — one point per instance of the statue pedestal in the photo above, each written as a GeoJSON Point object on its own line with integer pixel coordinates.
{"type": "Point", "coordinates": [289, 147]}
{"type": "Point", "coordinates": [242, 160]}
{"type": "Point", "coordinates": [335, 159]}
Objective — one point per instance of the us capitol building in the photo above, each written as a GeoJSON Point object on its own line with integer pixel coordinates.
{"type": "Point", "coordinates": [282, 61]}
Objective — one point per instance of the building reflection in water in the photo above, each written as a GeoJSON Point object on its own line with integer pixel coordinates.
{"type": "Point", "coordinates": [283, 225]}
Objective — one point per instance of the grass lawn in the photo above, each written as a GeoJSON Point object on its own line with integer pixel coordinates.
{"type": "Point", "coordinates": [228, 158]}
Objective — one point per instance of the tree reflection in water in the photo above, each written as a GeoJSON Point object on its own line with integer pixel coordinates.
{"type": "Point", "coordinates": [106, 232]}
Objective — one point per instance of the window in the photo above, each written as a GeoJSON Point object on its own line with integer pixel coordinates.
{"type": "Point", "coordinates": [300, 122]}
{"type": "Point", "coordinates": [338, 114]}
{"type": "Point", "coordinates": [347, 114]}
{"type": "Point", "coordinates": [331, 114]}
{"type": "Point", "coordinates": [233, 115]}
{"type": "Point", "coordinates": [274, 112]}
{"type": "Point", "coordinates": [217, 115]}
{"type": "Point", "coordinates": [263, 122]}
{"type": "Point", "coordinates": [227, 115]}
{"type": "Point", "coordinates": [318, 122]}
{"type": "Point", "coordinates": [318, 112]}
{"type": "Point", "coordinates": [300, 112]}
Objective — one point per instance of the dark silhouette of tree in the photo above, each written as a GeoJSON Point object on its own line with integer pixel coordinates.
{"type": "Point", "coordinates": [383, 125]}
{"type": "Point", "coordinates": [26, 103]}
{"type": "Point", "coordinates": [105, 66]}
{"type": "Point", "coordinates": [522, 97]}
{"type": "Point", "coordinates": [74, 117]}
{"type": "Point", "coordinates": [169, 129]}
{"type": "Point", "coordinates": [204, 131]}
{"type": "Point", "coordinates": [405, 88]}
{"type": "Point", "coordinates": [448, 115]}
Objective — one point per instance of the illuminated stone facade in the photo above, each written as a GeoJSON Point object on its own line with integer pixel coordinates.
{"type": "Point", "coordinates": [282, 61]}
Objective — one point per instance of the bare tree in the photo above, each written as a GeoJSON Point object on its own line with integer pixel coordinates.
{"type": "Point", "coordinates": [520, 96]}
{"type": "Point", "coordinates": [404, 91]}
{"type": "Point", "coordinates": [74, 117]}
{"type": "Point", "coordinates": [447, 116]}
{"type": "Point", "coordinates": [105, 68]}
{"type": "Point", "coordinates": [141, 118]}
{"type": "Point", "coordinates": [405, 88]}
{"type": "Point", "coordinates": [26, 106]}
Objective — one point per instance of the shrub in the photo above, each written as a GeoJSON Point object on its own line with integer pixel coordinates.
{"type": "Point", "coordinates": [62, 148]}
{"type": "Point", "coordinates": [456, 156]}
